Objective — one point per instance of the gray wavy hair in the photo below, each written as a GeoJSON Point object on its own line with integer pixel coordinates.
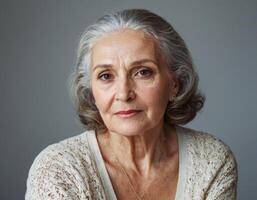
{"type": "Point", "coordinates": [188, 101]}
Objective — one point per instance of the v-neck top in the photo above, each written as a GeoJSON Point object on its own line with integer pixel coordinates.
{"type": "Point", "coordinates": [107, 185]}
{"type": "Point", "coordinates": [74, 169]}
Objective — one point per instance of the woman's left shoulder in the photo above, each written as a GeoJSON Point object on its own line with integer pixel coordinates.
{"type": "Point", "coordinates": [208, 147]}
{"type": "Point", "coordinates": [211, 166]}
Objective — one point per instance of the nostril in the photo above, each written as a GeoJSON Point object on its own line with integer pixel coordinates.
{"type": "Point", "coordinates": [126, 96]}
{"type": "Point", "coordinates": [124, 90]}
{"type": "Point", "coordinates": [131, 95]}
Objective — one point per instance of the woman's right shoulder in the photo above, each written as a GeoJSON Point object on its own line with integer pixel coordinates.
{"type": "Point", "coordinates": [60, 167]}
{"type": "Point", "coordinates": [67, 150]}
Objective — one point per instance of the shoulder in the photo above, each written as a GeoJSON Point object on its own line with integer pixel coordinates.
{"type": "Point", "coordinates": [211, 165]}
{"type": "Point", "coordinates": [206, 146]}
{"type": "Point", "coordinates": [68, 150]}
{"type": "Point", "coordinates": [64, 169]}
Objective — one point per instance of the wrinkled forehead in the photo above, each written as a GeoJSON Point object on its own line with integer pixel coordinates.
{"type": "Point", "coordinates": [127, 45]}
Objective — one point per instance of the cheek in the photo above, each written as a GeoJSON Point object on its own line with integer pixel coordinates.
{"type": "Point", "coordinates": [102, 99]}
{"type": "Point", "coordinates": [156, 97]}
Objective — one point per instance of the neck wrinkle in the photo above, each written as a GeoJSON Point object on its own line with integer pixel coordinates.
{"type": "Point", "coordinates": [139, 153]}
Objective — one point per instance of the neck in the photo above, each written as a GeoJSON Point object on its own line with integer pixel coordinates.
{"type": "Point", "coordinates": [142, 152]}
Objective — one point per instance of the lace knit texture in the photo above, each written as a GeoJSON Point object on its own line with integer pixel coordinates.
{"type": "Point", "coordinates": [67, 170]}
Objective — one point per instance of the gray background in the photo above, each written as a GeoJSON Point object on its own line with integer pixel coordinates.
{"type": "Point", "coordinates": [38, 41]}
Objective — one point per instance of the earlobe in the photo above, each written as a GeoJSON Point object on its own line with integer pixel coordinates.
{"type": "Point", "coordinates": [172, 98]}
{"type": "Point", "coordinates": [173, 92]}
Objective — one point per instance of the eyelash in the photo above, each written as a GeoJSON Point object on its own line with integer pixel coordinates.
{"type": "Point", "coordinates": [149, 73]}
{"type": "Point", "coordinates": [102, 75]}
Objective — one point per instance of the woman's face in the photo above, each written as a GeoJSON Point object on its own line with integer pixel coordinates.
{"type": "Point", "coordinates": [130, 83]}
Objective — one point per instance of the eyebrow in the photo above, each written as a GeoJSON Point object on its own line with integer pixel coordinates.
{"type": "Point", "coordinates": [138, 62]}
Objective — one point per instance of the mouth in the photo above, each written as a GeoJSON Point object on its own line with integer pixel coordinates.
{"type": "Point", "coordinates": [127, 113]}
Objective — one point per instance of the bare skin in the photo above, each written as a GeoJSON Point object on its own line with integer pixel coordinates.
{"type": "Point", "coordinates": [151, 164]}
{"type": "Point", "coordinates": [139, 150]}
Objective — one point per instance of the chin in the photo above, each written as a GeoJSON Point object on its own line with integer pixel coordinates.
{"type": "Point", "coordinates": [128, 131]}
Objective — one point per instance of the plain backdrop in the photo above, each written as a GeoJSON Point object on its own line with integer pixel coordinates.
{"type": "Point", "coordinates": [38, 42]}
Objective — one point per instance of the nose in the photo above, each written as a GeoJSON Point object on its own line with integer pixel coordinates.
{"type": "Point", "coordinates": [124, 91]}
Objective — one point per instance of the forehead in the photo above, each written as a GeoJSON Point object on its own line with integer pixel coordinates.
{"type": "Point", "coordinates": [129, 45]}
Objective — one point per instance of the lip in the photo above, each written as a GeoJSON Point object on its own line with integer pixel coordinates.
{"type": "Point", "coordinates": [127, 113]}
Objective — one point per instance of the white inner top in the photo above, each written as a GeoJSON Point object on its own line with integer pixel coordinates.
{"type": "Point", "coordinates": [109, 191]}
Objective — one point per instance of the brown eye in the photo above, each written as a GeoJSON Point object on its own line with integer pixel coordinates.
{"type": "Point", "coordinates": [105, 76]}
{"type": "Point", "coordinates": [144, 73]}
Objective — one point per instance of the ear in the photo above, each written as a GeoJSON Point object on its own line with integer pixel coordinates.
{"type": "Point", "coordinates": [174, 89]}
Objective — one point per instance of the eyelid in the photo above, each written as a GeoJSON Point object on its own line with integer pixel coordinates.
{"type": "Point", "coordinates": [148, 69]}
{"type": "Point", "coordinates": [102, 72]}
{"type": "Point", "coordinates": [99, 75]}
{"type": "Point", "coordinates": [134, 72]}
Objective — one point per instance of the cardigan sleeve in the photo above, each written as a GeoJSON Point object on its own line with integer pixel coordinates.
{"type": "Point", "coordinates": [52, 176]}
{"type": "Point", "coordinates": [224, 184]}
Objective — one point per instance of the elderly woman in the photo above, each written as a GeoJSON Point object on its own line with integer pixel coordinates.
{"type": "Point", "coordinates": [133, 87]}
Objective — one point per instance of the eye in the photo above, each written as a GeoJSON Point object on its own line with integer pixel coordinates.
{"type": "Point", "coordinates": [105, 76]}
{"type": "Point", "coordinates": [144, 72]}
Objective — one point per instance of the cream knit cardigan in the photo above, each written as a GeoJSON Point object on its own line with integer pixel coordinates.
{"type": "Point", "coordinates": [73, 169]}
